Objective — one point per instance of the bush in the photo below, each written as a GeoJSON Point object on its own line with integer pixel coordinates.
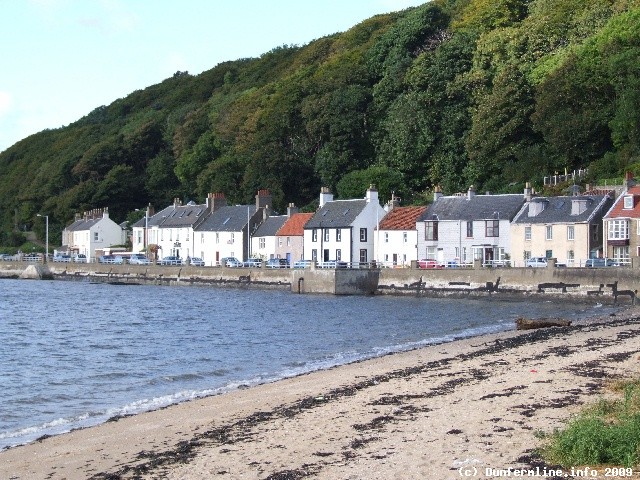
{"type": "Point", "coordinates": [607, 433]}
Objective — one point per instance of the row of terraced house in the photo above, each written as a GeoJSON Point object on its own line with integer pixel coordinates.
{"type": "Point", "coordinates": [454, 230]}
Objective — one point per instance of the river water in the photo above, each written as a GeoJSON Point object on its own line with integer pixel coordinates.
{"type": "Point", "coordinates": [74, 354]}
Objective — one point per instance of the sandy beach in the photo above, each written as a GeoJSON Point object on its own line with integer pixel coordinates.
{"type": "Point", "coordinates": [447, 411]}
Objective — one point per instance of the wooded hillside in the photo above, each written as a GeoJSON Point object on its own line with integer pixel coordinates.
{"type": "Point", "coordinates": [456, 92]}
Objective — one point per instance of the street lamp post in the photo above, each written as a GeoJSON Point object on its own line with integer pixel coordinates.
{"type": "Point", "coordinates": [46, 236]}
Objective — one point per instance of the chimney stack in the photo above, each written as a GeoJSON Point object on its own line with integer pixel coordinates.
{"type": "Point", "coordinates": [291, 209]}
{"type": "Point", "coordinates": [263, 199]}
{"type": "Point", "coordinates": [437, 193]}
{"type": "Point", "coordinates": [215, 201]}
{"type": "Point", "coordinates": [471, 192]}
{"type": "Point", "coordinates": [372, 194]}
{"type": "Point", "coordinates": [528, 192]}
{"type": "Point", "coordinates": [325, 196]}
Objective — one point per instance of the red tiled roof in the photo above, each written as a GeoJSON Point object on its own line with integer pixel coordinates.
{"type": "Point", "coordinates": [295, 225]}
{"type": "Point", "coordinates": [402, 218]}
{"type": "Point", "coordinates": [618, 210]}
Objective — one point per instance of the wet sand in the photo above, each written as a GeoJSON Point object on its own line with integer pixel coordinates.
{"type": "Point", "coordinates": [433, 413]}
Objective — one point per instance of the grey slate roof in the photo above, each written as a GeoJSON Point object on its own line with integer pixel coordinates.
{"type": "Point", "coordinates": [558, 209]}
{"type": "Point", "coordinates": [478, 207]}
{"type": "Point", "coordinates": [82, 224]}
{"type": "Point", "coordinates": [227, 219]}
{"type": "Point", "coordinates": [270, 226]}
{"type": "Point", "coordinates": [336, 214]}
{"type": "Point", "coordinates": [181, 216]}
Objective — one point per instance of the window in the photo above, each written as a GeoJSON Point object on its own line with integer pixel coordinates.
{"type": "Point", "coordinates": [628, 202]}
{"type": "Point", "coordinates": [363, 235]}
{"type": "Point", "coordinates": [618, 230]}
{"type": "Point", "coordinates": [171, 234]}
{"type": "Point", "coordinates": [326, 234]}
{"type": "Point", "coordinates": [527, 233]}
{"type": "Point", "coordinates": [217, 237]}
{"type": "Point", "coordinates": [431, 253]}
{"type": "Point", "coordinates": [548, 254]}
{"type": "Point", "coordinates": [338, 254]}
{"type": "Point", "coordinates": [279, 241]}
{"type": "Point", "coordinates": [386, 237]}
{"type": "Point", "coordinates": [288, 241]}
{"type": "Point", "coordinates": [314, 255]}
{"type": "Point", "coordinates": [470, 229]}
{"type": "Point", "coordinates": [492, 228]}
{"type": "Point", "coordinates": [405, 237]}
{"type": "Point", "coordinates": [549, 232]}
{"type": "Point", "coordinates": [571, 256]}
{"type": "Point", "coordinates": [338, 235]}
{"type": "Point", "coordinates": [95, 236]}
{"type": "Point", "coordinates": [621, 254]}
{"type": "Point", "coordinates": [571, 234]}
{"type": "Point", "coordinates": [202, 240]}
{"type": "Point", "coordinates": [233, 238]}
{"type": "Point", "coordinates": [363, 254]}
{"type": "Point", "coordinates": [262, 242]}
{"type": "Point", "coordinates": [431, 231]}
{"type": "Point", "coordinates": [526, 255]}
{"type": "Point", "coordinates": [314, 235]}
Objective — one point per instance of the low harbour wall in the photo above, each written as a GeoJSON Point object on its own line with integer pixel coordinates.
{"type": "Point", "coordinates": [603, 285]}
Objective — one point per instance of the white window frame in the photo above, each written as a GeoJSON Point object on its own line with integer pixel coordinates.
{"type": "Point", "coordinates": [527, 233]}
{"type": "Point", "coordinates": [618, 229]}
{"type": "Point", "coordinates": [571, 232]}
{"type": "Point", "coordinates": [548, 233]}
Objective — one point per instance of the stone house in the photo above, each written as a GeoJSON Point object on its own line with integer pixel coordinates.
{"type": "Point", "coordinates": [567, 228]}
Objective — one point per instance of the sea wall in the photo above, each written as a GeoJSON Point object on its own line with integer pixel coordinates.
{"type": "Point", "coordinates": [598, 284]}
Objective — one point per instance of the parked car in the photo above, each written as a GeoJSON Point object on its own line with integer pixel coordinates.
{"type": "Point", "coordinates": [106, 259]}
{"type": "Point", "coordinates": [6, 257]}
{"type": "Point", "coordinates": [80, 258]}
{"type": "Point", "coordinates": [253, 263]}
{"type": "Point", "coordinates": [302, 263]}
{"type": "Point", "coordinates": [197, 262]}
{"type": "Point", "coordinates": [277, 263]}
{"type": "Point", "coordinates": [171, 260]}
{"type": "Point", "coordinates": [600, 262]}
{"type": "Point", "coordinates": [62, 257]}
{"type": "Point", "coordinates": [232, 262]}
{"type": "Point", "coordinates": [139, 259]}
{"type": "Point", "coordinates": [540, 262]}
{"type": "Point", "coordinates": [119, 260]}
{"type": "Point", "coordinates": [429, 263]}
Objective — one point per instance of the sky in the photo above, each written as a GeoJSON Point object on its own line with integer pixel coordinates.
{"type": "Point", "coordinates": [60, 59]}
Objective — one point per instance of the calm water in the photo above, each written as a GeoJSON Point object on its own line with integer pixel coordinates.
{"type": "Point", "coordinates": [75, 354]}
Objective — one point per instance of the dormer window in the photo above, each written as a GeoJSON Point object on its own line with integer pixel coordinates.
{"type": "Point", "coordinates": [628, 202]}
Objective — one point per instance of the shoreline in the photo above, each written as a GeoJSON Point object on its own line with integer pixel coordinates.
{"type": "Point", "coordinates": [423, 413]}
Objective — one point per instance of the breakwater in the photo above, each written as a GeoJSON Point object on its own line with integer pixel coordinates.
{"type": "Point", "coordinates": [602, 285]}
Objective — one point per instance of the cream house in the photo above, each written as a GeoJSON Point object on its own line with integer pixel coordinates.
{"type": "Point", "coordinates": [567, 228]}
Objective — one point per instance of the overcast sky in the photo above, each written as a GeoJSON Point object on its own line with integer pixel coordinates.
{"type": "Point", "coordinates": [63, 58]}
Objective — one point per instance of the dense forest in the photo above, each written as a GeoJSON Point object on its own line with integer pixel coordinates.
{"type": "Point", "coordinates": [492, 93]}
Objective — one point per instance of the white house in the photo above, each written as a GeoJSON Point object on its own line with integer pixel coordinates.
{"type": "Point", "coordinates": [264, 242]}
{"type": "Point", "coordinates": [227, 230]}
{"type": "Point", "coordinates": [463, 228]}
{"type": "Point", "coordinates": [93, 230]}
{"type": "Point", "coordinates": [397, 237]}
{"type": "Point", "coordinates": [172, 229]}
{"type": "Point", "coordinates": [343, 229]}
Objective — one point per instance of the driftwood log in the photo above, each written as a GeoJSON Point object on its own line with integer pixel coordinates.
{"type": "Point", "coordinates": [531, 323]}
